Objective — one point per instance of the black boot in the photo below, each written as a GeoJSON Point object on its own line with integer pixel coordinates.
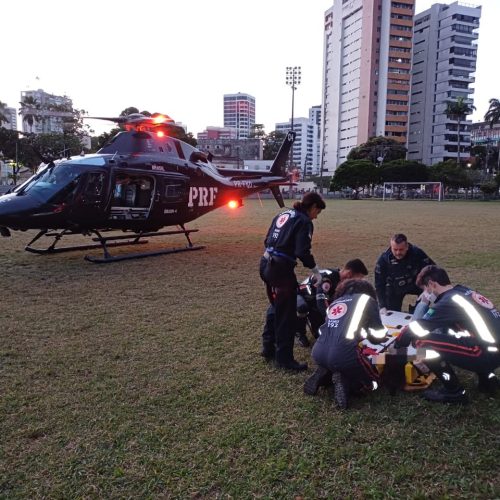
{"type": "Point", "coordinates": [321, 377]}
{"type": "Point", "coordinates": [302, 339]}
{"type": "Point", "coordinates": [292, 365]}
{"type": "Point", "coordinates": [488, 383]}
{"type": "Point", "coordinates": [340, 390]}
{"type": "Point", "coordinates": [452, 391]}
{"type": "Point", "coordinates": [444, 395]}
{"type": "Point", "coordinates": [267, 353]}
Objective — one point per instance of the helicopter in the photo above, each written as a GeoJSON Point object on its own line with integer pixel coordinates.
{"type": "Point", "coordinates": [142, 180]}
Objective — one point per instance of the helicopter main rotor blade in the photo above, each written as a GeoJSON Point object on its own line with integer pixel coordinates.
{"type": "Point", "coordinates": [116, 119]}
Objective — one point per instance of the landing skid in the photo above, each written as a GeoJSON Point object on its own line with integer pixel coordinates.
{"type": "Point", "coordinates": [105, 242]}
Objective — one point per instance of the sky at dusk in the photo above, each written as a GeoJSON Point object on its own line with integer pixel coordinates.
{"type": "Point", "coordinates": [181, 57]}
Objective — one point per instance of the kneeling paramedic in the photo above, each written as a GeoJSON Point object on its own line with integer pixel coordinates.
{"type": "Point", "coordinates": [351, 317]}
{"type": "Point", "coordinates": [462, 328]}
{"type": "Point", "coordinates": [289, 237]}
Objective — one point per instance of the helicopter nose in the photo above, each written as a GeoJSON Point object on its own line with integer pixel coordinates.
{"type": "Point", "coordinates": [14, 209]}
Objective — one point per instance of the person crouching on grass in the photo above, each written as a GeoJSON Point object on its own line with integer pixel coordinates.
{"type": "Point", "coordinates": [352, 316]}
{"type": "Point", "coordinates": [462, 328]}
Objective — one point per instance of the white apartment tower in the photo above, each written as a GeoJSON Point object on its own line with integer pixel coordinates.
{"type": "Point", "coordinates": [48, 112]}
{"type": "Point", "coordinates": [444, 62]}
{"type": "Point", "coordinates": [239, 113]}
{"type": "Point", "coordinates": [367, 61]}
{"type": "Point", "coordinates": [305, 152]}
{"type": "Point", "coordinates": [10, 114]}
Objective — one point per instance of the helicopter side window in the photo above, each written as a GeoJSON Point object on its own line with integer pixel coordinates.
{"type": "Point", "coordinates": [175, 192]}
{"type": "Point", "coordinates": [52, 181]}
{"type": "Point", "coordinates": [94, 188]}
{"type": "Point", "coordinates": [132, 191]}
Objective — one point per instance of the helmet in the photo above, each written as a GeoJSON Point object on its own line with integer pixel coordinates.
{"type": "Point", "coordinates": [330, 280]}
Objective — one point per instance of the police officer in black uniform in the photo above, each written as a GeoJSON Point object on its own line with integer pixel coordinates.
{"type": "Point", "coordinates": [462, 328]}
{"type": "Point", "coordinates": [396, 271]}
{"type": "Point", "coordinates": [351, 316]}
{"type": "Point", "coordinates": [289, 237]}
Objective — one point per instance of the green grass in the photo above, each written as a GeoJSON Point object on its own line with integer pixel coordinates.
{"type": "Point", "coordinates": [142, 378]}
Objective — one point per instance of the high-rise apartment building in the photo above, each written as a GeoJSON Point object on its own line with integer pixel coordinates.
{"type": "Point", "coordinates": [217, 133]}
{"type": "Point", "coordinates": [10, 114]}
{"type": "Point", "coordinates": [444, 62]}
{"type": "Point", "coordinates": [306, 146]}
{"type": "Point", "coordinates": [367, 61]}
{"type": "Point", "coordinates": [47, 112]}
{"type": "Point", "coordinates": [239, 113]}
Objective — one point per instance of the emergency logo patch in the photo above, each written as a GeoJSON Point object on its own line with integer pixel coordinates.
{"type": "Point", "coordinates": [336, 311]}
{"type": "Point", "coordinates": [482, 300]}
{"type": "Point", "coordinates": [282, 220]}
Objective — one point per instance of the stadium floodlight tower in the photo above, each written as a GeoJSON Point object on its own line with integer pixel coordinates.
{"type": "Point", "coordinates": [293, 76]}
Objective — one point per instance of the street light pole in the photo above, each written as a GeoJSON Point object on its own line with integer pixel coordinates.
{"type": "Point", "coordinates": [293, 76]}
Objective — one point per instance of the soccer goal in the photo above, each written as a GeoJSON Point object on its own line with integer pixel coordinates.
{"type": "Point", "coordinates": [413, 191]}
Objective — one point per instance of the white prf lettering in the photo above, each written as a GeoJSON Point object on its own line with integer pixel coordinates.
{"type": "Point", "coordinates": [193, 195]}
{"type": "Point", "coordinates": [213, 192]}
{"type": "Point", "coordinates": [203, 197]}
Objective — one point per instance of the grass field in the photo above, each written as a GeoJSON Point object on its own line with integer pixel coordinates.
{"type": "Point", "coordinates": [142, 379]}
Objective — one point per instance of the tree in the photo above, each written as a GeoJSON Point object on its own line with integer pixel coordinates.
{"type": "Point", "coordinates": [450, 174]}
{"type": "Point", "coordinates": [354, 174]}
{"type": "Point", "coordinates": [129, 111]}
{"type": "Point", "coordinates": [378, 147]}
{"type": "Point", "coordinates": [3, 114]}
{"type": "Point", "coordinates": [458, 110]}
{"type": "Point", "coordinates": [179, 133]}
{"type": "Point", "coordinates": [30, 111]}
{"type": "Point", "coordinates": [47, 147]}
{"type": "Point", "coordinates": [403, 171]}
{"type": "Point", "coordinates": [321, 181]}
{"type": "Point", "coordinates": [488, 188]}
{"type": "Point", "coordinates": [257, 131]}
{"type": "Point", "coordinates": [8, 140]}
{"type": "Point", "coordinates": [493, 114]}
{"type": "Point", "coordinates": [18, 150]}
{"type": "Point", "coordinates": [272, 144]}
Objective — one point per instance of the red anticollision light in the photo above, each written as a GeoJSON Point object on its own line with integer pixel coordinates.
{"type": "Point", "coordinates": [235, 204]}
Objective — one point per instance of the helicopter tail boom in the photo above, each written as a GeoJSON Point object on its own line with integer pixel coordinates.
{"type": "Point", "coordinates": [279, 164]}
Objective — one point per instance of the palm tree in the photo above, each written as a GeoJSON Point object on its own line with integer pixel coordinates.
{"type": "Point", "coordinates": [3, 114]}
{"type": "Point", "coordinates": [458, 110]}
{"type": "Point", "coordinates": [30, 111]}
{"type": "Point", "coordinates": [493, 114]}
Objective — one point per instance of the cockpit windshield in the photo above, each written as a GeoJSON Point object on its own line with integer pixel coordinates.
{"type": "Point", "coordinates": [52, 181]}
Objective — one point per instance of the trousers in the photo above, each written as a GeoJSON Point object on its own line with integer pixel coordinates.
{"type": "Point", "coordinates": [281, 319]}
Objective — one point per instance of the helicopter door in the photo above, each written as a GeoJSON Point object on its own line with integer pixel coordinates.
{"type": "Point", "coordinates": [90, 202]}
{"type": "Point", "coordinates": [132, 196]}
{"type": "Point", "coordinates": [175, 194]}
